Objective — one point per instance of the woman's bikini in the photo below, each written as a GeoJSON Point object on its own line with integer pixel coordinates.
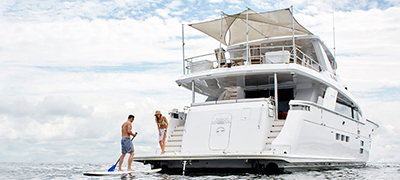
{"type": "Point", "coordinates": [162, 123]}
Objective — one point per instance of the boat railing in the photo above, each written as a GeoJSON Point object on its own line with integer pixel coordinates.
{"type": "Point", "coordinates": [257, 55]}
{"type": "Point", "coordinates": [231, 101]}
{"type": "Point", "coordinates": [306, 106]}
{"type": "Point", "coordinates": [307, 61]}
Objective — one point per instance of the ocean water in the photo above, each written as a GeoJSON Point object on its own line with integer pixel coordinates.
{"type": "Point", "coordinates": [18, 170]}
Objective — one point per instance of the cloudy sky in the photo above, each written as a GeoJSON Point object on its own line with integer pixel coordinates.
{"type": "Point", "coordinates": [71, 71]}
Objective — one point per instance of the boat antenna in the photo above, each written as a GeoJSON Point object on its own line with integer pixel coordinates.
{"type": "Point", "coordinates": [333, 22]}
{"type": "Point", "coordinates": [183, 47]}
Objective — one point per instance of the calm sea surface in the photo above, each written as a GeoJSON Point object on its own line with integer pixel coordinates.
{"type": "Point", "coordinates": [75, 171]}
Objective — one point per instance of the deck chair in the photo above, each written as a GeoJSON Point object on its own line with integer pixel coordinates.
{"type": "Point", "coordinates": [222, 57]}
{"type": "Point", "coordinates": [255, 55]}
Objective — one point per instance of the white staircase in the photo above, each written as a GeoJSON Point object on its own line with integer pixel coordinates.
{"type": "Point", "coordinates": [275, 129]}
{"type": "Point", "coordinates": [174, 141]}
{"type": "Point", "coordinates": [233, 94]}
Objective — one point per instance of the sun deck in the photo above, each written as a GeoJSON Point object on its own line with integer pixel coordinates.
{"type": "Point", "coordinates": [258, 54]}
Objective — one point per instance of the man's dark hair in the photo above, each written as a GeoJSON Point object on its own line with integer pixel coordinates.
{"type": "Point", "coordinates": [131, 116]}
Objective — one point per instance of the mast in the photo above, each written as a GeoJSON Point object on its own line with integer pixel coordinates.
{"type": "Point", "coordinates": [334, 32]}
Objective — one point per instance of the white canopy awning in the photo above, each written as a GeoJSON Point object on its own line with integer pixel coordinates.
{"type": "Point", "coordinates": [260, 25]}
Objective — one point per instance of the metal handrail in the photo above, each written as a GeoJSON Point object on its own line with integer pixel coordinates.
{"type": "Point", "coordinates": [309, 58]}
{"type": "Point", "coordinates": [302, 58]}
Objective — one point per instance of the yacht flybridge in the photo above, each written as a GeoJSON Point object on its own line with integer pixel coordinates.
{"type": "Point", "coordinates": [274, 102]}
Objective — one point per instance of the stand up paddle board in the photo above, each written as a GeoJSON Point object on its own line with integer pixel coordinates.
{"type": "Point", "coordinates": [120, 172]}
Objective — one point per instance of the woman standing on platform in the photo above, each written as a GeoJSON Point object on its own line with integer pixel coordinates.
{"type": "Point", "coordinates": [162, 125]}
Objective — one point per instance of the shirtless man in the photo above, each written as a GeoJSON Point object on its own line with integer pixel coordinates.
{"type": "Point", "coordinates": [126, 143]}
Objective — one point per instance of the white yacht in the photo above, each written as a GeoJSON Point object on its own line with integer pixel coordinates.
{"type": "Point", "coordinates": [274, 102]}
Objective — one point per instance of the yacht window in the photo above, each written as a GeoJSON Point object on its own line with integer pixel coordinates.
{"type": "Point", "coordinates": [174, 115]}
{"type": "Point", "coordinates": [327, 54]}
{"type": "Point", "coordinates": [342, 137]}
{"type": "Point", "coordinates": [355, 114]}
{"type": "Point", "coordinates": [343, 109]}
{"type": "Point", "coordinates": [347, 138]}
{"type": "Point", "coordinates": [337, 136]}
{"type": "Point", "coordinates": [331, 59]}
{"type": "Point", "coordinates": [259, 94]}
{"type": "Point", "coordinates": [300, 107]}
{"type": "Point", "coordinates": [362, 143]}
{"type": "Point", "coordinates": [361, 150]}
{"type": "Point", "coordinates": [346, 107]}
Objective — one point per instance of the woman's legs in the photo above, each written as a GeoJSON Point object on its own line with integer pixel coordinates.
{"type": "Point", "coordinates": [161, 146]}
{"type": "Point", "coordinates": [163, 142]}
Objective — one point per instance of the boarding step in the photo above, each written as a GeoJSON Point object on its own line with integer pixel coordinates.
{"type": "Point", "coordinates": [275, 131]}
{"type": "Point", "coordinates": [175, 138]}
{"type": "Point", "coordinates": [177, 132]}
{"type": "Point", "coordinates": [176, 135]}
{"type": "Point", "coordinates": [278, 122]}
{"type": "Point", "coordinates": [276, 127]}
{"type": "Point", "coordinates": [273, 134]}
{"type": "Point", "coordinates": [172, 151]}
{"type": "Point", "coordinates": [269, 140]}
{"type": "Point", "coordinates": [172, 148]}
{"type": "Point", "coordinates": [233, 95]}
{"type": "Point", "coordinates": [173, 143]}
{"type": "Point", "coordinates": [180, 127]}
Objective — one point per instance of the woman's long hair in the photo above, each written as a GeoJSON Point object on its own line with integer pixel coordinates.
{"type": "Point", "coordinates": [158, 119]}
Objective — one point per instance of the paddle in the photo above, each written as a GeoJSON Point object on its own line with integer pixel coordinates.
{"type": "Point", "coordinates": [112, 168]}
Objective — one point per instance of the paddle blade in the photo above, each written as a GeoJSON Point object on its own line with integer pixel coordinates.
{"type": "Point", "coordinates": [112, 168]}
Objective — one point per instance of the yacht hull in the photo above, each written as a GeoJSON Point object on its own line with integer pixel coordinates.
{"type": "Point", "coordinates": [243, 163]}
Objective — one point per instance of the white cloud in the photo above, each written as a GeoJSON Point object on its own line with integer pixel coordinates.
{"type": "Point", "coordinates": [215, 1]}
{"type": "Point", "coordinates": [82, 42]}
{"type": "Point", "coordinates": [89, 109]}
{"type": "Point", "coordinates": [55, 79]}
{"type": "Point", "coordinates": [365, 42]}
{"type": "Point", "coordinates": [174, 4]}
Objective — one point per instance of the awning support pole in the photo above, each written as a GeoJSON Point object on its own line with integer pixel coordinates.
{"type": "Point", "coordinates": [183, 48]}
{"type": "Point", "coordinates": [247, 35]}
{"type": "Point", "coordinates": [193, 92]}
{"type": "Point", "coordinates": [294, 45]}
{"type": "Point", "coordinates": [220, 39]}
{"type": "Point", "coordinates": [276, 94]}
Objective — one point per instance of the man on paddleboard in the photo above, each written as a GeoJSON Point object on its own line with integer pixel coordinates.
{"type": "Point", "coordinates": [126, 143]}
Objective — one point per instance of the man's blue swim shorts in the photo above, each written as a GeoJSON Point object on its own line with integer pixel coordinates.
{"type": "Point", "coordinates": [126, 145]}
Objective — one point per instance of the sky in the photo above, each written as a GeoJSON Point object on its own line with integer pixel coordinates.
{"type": "Point", "coordinates": [71, 71]}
